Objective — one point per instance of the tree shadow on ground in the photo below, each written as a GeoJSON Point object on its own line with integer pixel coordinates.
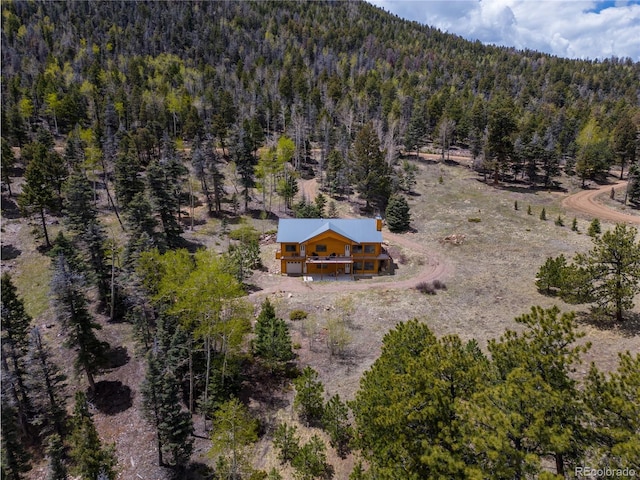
{"type": "Point", "coordinates": [190, 245]}
{"type": "Point", "coordinates": [629, 327]}
{"type": "Point", "coordinates": [10, 209]}
{"type": "Point", "coordinates": [9, 252]}
{"type": "Point", "coordinates": [265, 387]}
{"type": "Point", "coordinates": [195, 471]}
{"type": "Point", "coordinates": [117, 357]}
{"type": "Point", "coordinates": [112, 397]}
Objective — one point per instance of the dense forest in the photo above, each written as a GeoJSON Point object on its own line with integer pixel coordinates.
{"type": "Point", "coordinates": [110, 109]}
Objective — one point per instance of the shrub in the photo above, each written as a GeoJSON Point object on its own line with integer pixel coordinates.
{"type": "Point", "coordinates": [559, 222]}
{"type": "Point", "coordinates": [474, 220]}
{"type": "Point", "coordinates": [594, 228]}
{"type": "Point", "coordinates": [439, 285]}
{"type": "Point", "coordinates": [397, 214]}
{"type": "Point", "coordinates": [426, 287]}
{"type": "Point", "coordinates": [298, 315]}
{"type": "Point", "coordinates": [543, 214]}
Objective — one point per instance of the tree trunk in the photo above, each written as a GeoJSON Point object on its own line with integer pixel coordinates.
{"type": "Point", "coordinates": [44, 227]}
{"type": "Point", "coordinates": [559, 464]}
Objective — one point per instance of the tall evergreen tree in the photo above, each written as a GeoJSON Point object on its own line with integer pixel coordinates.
{"type": "Point", "coordinates": [428, 377]}
{"type": "Point", "coordinates": [162, 407]}
{"type": "Point", "coordinates": [609, 274]}
{"type": "Point", "coordinates": [88, 456]}
{"type": "Point", "coordinates": [47, 384]}
{"type": "Point", "coordinates": [8, 161]}
{"type": "Point", "coordinates": [335, 421]}
{"type": "Point", "coordinates": [14, 457]}
{"type": "Point", "coordinates": [56, 467]}
{"type": "Point", "coordinates": [128, 178]}
{"type": "Point", "coordinates": [15, 337]}
{"type": "Point", "coordinates": [164, 178]}
{"type": "Point", "coordinates": [501, 128]}
{"type": "Point", "coordinates": [76, 321]}
{"type": "Point", "coordinates": [370, 170]}
{"type": "Point", "coordinates": [273, 341]}
{"type": "Point", "coordinates": [613, 406]}
{"type": "Point", "coordinates": [82, 219]}
{"type": "Point", "coordinates": [42, 189]}
{"type": "Point", "coordinates": [308, 400]}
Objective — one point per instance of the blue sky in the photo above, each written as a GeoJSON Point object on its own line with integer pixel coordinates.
{"type": "Point", "coordinates": [566, 28]}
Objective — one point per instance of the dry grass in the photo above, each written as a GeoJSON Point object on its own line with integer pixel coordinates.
{"type": "Point", "coordinates": [491, 281]}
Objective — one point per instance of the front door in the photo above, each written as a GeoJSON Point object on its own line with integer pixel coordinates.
{"type": "Point", "coordinates": [347, 250]}
{"type": "Point", "coordinates": [302, 250]}
{"type": "Point", "coordinates": [347, 268]}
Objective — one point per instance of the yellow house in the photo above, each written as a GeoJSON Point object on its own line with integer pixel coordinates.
{"type": "Point", "coordinates": [331, 247]}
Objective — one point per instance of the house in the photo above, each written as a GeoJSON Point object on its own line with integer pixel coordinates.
{"type": "Point", "coordinates": [332, 247]}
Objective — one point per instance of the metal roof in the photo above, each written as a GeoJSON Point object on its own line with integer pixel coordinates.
{"type": "Point", "coordinates": [299, 230]}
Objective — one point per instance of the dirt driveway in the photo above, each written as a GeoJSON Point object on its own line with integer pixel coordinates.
{"type": "Point", "coordinates": [585, 202]}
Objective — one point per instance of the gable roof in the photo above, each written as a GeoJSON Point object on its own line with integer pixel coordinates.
{"type": "Point", "coordinates": [299, 230]}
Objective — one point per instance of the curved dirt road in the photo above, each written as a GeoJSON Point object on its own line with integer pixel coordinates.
{"type": "Point", "coordinates": [585, 202]}
{"type": "Point", "coordinates": [434, 267]}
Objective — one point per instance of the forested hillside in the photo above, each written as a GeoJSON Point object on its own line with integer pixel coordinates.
{"type": "Point", "coordinates": [145, 144]}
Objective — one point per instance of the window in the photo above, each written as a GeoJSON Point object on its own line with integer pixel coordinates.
{"type": "Point", "coordinates": [321, 248]}
{"type": "Point", "coordinates": [357, 249]}
{"type": "Point", "coordinates": [368, 266]}
{"type": "Point", "coordinates": [290, 248]}
{"type": "Point", "coordinates": [357, 266]}
{"type": "Point", "coordinates": [369, 249]}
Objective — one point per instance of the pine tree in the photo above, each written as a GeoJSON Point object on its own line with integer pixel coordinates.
{"type": "Point", "coordinates": [574, 225]}
{"type": "Point", "coordinates": [552, 275]}
{"type": "Point", "coordinates": [41, 192]}
{"type": "Point", "coordinates": [397, 214]}
{"type": "Point", "coordinates": [8, 161]}
{"type": "Point", "coordinates": [77, 323]}
{"type": "Point", "coordinates": [89, 458]}
{"type": "Point", "coordinates": [164, 179]}
{"type": "Point", "coordinates": [594, 228]}
{"type": "Point", "coordinates": [286, 442]}
{"type": "Point", "coordinates": [538, 399]}
{"type": "Point", "coordinates": [429, 377]}
{"type": "Point", "coordinates": [311, 460]}
{"type": "Point", "coordinates": [46, 383]}
{"type": "Point", "coordinates": [417, 130]}
{"type": "Point", "coordinates": [370, 170]}
{"type": "Point", "coordinates": [175, 424]}
{"type": "Point", "coordinates": [273, 341]}
{"type": "Point", "coordinates": [162, 407]}
{"type": "Point", "coordinates": [611, 270]}
{"type": "Point", "coordinates": [613, 408]}
{"type": "Point", "coordinates": [543, 214]}
{"type": "Point", "coordinates": [308, 400]}
{"type": "Point", "coordinates": [82, 219]}
{"type": "Point", "coordinates": [335, 421]}
{"type": "Point", "coordinates": [56, 468]}
{"type": "Point", "coordinates": [14, 458]}
{"type": "Point", "coordinates": [15, 330]}
{"type": "Point", "coordinates": [128, 180]}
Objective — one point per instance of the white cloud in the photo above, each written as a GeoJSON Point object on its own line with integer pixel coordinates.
{"type": "Point", "coordinates": [567, 28]}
